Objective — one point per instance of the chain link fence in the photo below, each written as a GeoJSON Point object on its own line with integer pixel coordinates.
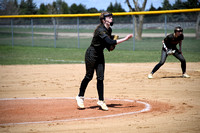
{"type": "Point", "coordinates": [77, 32]}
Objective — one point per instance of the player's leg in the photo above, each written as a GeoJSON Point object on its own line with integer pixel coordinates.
{"type": "Point", "coordinates": [100, 85]}
{"type": "Point", "coordinates": [100, 79]}
{"type": "Point", "coordinates": [90, 66]}
{"type": "Point", "coordinates": [83, 86]}
{"type": "Point", "coordinates": [162, 61]}
{"type": "Point", "coordinates": [181, 58]}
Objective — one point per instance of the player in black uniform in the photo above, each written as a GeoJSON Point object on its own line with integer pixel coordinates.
{"type": "Point", "coordinates": [94, 58]}
{"type": "Point", "coordinates": [169, 48]}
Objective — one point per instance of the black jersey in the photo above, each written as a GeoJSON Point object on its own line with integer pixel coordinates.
{"type": "Point", "coordinates": [171, 41]}
{"type": "Point", "coordinates": [99, 39]}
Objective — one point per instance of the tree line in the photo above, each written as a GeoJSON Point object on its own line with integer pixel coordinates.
{"type": "Point", "coordinates": [27, 7]}
{"type": "Point", "coordinates": [179, 4]}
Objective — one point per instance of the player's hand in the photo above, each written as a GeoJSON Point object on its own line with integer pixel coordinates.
{"type": "Point", "coordinates": [128, 36]}
{"type": "Point", "coordinates": [170, 51]}
{"type": "Point", "coordinates": [124, 39]}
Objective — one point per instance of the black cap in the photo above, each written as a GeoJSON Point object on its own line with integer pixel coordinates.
{"type": "Point", "coordinates": [178, 29]}
{"type": "Point", "coordinates": [106, 15]}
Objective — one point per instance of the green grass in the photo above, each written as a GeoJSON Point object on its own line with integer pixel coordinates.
{"type": "Point", "coordinates": [146, 44]}
{"type": "Point", "coordinates": [51, 30]}
{"type": "Point", "coordinates": [43, 55]}
{"type": "Point", "coordinates": [39, 55]}
{"type": "Point", "coordinates": [43, 52]}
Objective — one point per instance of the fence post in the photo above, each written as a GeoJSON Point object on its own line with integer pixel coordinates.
{"type": "Point", "coordinates": [78, 32]}
{"type": "Point", "coordinates": [12, 32]}
{"type": "Point", "coordinates": [54, 32]}
{"type": "Point", "coordinates": [133, 34]}
{"type": "Point", "coordinates": [32, 31]}
{"type": "Point", "coordinates": [165, 25]}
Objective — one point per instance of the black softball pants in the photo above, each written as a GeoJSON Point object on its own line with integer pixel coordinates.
{"type": "Point", "coordinates": [164, 55]}
{"type": "Point", "coordinates": [93, 61]}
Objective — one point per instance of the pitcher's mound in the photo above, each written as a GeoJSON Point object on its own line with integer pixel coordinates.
{"type": "Point", "coordinates": [46, 110]}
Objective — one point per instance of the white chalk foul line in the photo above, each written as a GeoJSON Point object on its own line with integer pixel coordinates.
{"type": "Point", "coordinates": [147, 108]}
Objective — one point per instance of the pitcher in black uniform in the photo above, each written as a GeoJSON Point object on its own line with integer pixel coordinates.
{"type": "Point", "coordinates": [94, 58]}
{"type": "Point", "coordinates": [169, 48]}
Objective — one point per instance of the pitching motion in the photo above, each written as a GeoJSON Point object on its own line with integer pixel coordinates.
{"type": "Point", "coordinates": [94, 58]}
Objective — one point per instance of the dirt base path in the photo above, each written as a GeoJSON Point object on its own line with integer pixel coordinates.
{"type": "Point", "coordinates": [89, 35]}
{"type": "Point", "coordinates": [36, 93]}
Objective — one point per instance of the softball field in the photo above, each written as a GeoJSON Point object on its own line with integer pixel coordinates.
{"type": "Point", "coordinates": [41, 98]}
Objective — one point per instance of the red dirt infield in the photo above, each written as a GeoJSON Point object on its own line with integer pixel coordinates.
{"type": "Point", "coordinates": [23, 111]}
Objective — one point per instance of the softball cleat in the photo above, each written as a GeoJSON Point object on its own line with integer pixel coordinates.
{"type": "Point", "coordinates": [103, 105]}
{"type": "Point", "coordinates": [150, 76]}
{"type": "Point", "coordinates": [80, 102]}
{"type": "Point", "coordinates": [185, 76]}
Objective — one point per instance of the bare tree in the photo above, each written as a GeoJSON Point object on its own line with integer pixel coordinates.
{"type": "Point", "coordinates": [198, 27]}
{"type": "Point", "coordinates": [138, 20]}
{"type": "Point", "coordinates": [52, 10]}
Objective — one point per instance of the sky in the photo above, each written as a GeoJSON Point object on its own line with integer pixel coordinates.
{"type": "Point", "coordinates": [103, 4]}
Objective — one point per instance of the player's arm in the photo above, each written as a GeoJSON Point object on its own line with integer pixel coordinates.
{"type": "Point", "coordinates": [114, 37]}
{"type": "Point", "coordinates": [124, 39]}
{"type": "Point", "coordinates": [110, 41]}
{"type": "Point", "coordinates": [113, 43]}
{"type": "Point", "coordinates": [165, 41]}
{"type": "Point", "coordinates": [164, 46]}
{"type": "Point", "coordinates": [169, 51]}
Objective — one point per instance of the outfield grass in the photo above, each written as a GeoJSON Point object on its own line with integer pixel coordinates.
{"type": "Point", "coordinates": [147, 44]}
{"type": "Point", "coordinates": [23, 37]}
{"type": "Point", "coordinates": [43, 55]}
{"type": "Point", "coordinates": [43, 52]}
{"type": "Point", "coordinates": [29, 30]}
